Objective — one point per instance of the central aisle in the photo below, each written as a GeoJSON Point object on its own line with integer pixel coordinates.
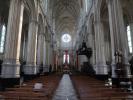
{"type": "Point", "coordinates": [65, 90]}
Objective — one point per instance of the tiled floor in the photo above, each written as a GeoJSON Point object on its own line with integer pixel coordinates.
{"type": "Point", "coordinates": [65, 90]}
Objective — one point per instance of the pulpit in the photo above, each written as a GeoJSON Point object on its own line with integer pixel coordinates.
{"type": "Point", "coordinates": [87, 66]}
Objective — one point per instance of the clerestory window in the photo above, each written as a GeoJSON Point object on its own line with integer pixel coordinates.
{"type": "Point", "coordinates": [129, 39]}
{"type": "Point", "coordinates": [2, 38]}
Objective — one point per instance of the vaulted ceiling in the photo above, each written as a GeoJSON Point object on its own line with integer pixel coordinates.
{"type": "Point", "coordinates": [66, 14]}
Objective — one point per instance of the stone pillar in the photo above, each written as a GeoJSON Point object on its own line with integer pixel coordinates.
{"type": "Point", "coordinates": [131, 27]}
{"type": "Point", "coordinates": [56, 60]}
{"type": "Point", "coordinates": [91, 43]}
{"type": "Point", "coordinates": [77, 60]}
{"type": "Point", "coordinates": [11, 65]}
{"type": "Point", "coordinates": [118, 34]}
{"type": "Point", "coordinates": [1, 26]}
{"type": "Point", "coordinates": [40, 51]}
{"type": "Point", "coordinates": [30, 68]}
{"type": "Point", "coordinates": [44, 56]}
{"type": "Point", "coordinates": [101, 67]}
{"type": "Point", "coordinates": [50, 56]}
{"type": "Point", "coordinates": [47, 52]}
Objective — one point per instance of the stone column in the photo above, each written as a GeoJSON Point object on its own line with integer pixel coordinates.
{"type": "Point", "coordinates": [91, 43]}
{"type": "Point", "coordinates": [56, 61]}
{"type": "Point", "coordinates": [40, 50]}
{"type": "Point", "coordinates": [30, 68]}
{"type": "Point", "coordinates": [47, 52]}
{"type": "Point", "coordinates": [101, 67]}
{"type": "Point", "coordinates": [46, 56]}
{"type": "Point", "coordinates": [1, 26]}
{"type": "Point", "coordinates": [118, 34]}
{"type": "Point", "coordinates": [11, 65]}
{"type": "Point", "coordinates": [77, 60]}
{"type": "Point", "coordinates": [131, 27]}
{"type": "Point", "coordinates": [50, 55]}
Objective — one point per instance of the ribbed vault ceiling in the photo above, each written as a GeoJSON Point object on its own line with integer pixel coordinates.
{"type": "Point", "coordinates": [66, 14]}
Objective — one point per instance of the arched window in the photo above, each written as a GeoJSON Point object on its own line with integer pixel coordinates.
{"type": "Point", "coordinates": [129, 39]}
{"type": "Point", "coordinates": [46, 6]}
{"type": "Point", "coordinates": [68, 59]}
{"type": "Point", "coordinates": [2, 38]}
{"type": "Point", "coordinates": [64, 58]}
{"type": "Point", "coordinates": [86, 5]}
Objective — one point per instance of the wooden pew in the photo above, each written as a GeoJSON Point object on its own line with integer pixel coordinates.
{"type": "Point", "coordinates": [92, 89]}
{"type": "Point", "coordinates": [26, 92]}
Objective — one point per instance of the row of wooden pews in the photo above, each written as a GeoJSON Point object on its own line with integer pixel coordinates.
{"type": "Point", "coordinates": [27, 92]}
{"type": "Point", "coordinates": [89, 88]}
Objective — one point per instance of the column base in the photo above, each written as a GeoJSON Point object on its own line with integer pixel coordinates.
{"type": "Point", "coordinates": [114, 75]}
{"type": "Point", "coordinates": [38, 69]}
{"type": "Point", "coordinates": [46, 69]}
{"type": "Point", "coordinates": [101, 69]}
{"type": "Point", "coordinates": [8, 82]}
{"type": "Point", "coordinates": [10, 70]}
{"type": "Point", "coordinates": [30, 70]}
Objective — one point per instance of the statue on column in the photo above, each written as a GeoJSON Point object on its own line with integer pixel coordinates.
{"type": "Point", "coordinates": [119, 64]}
